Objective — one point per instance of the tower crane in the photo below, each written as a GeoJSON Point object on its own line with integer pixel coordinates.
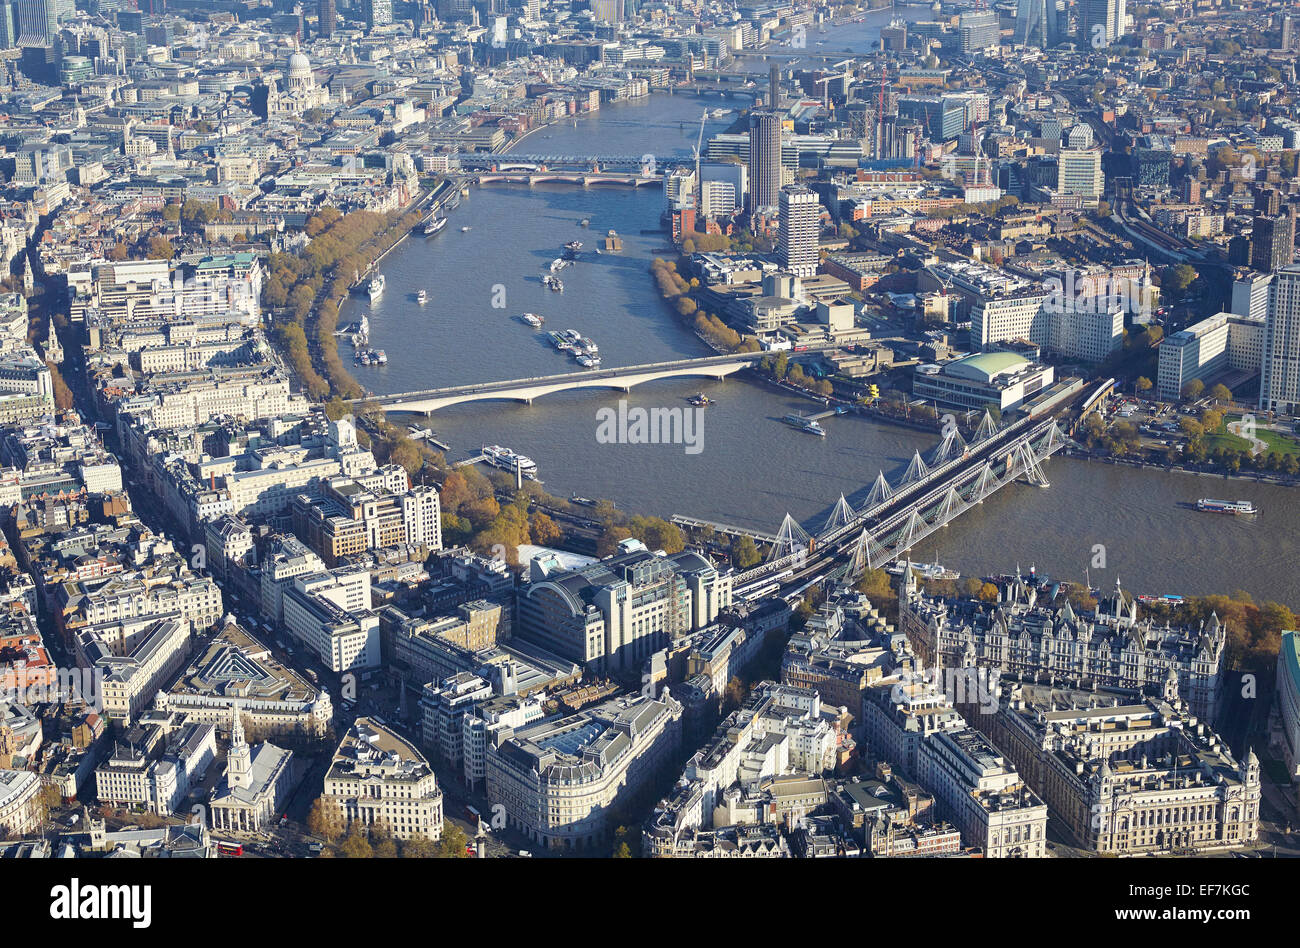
{"type": "Point", "coordinates": [699, 142]}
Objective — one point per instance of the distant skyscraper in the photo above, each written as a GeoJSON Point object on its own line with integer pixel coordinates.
{"type": "Point", "coordinates": [799, 230]}
{"type": "Point", "coordinates": [1036, 23]}
{"type": "Point", "coordinates": [773, 87]}
{"type": "Point", "coordinates": [1279, 385]}
{"type": "Point", "coordinates": [38, 22]}
{"type": "Point", "coordinates": [1101, 22]}
{"type": "Point", "coordinates": [325, 17]}
{"type": "Point", "coordinates": [1272, 242]}
{"type": "Point", "coordinates": [378, 13]}
{"type": "Point", "coordinates": [977, 30]}
{"type": "Point", "coordinates": [8, 26]}
{"type": "Point", "coordinates": [764, 159]}
{"type": "Point", "coordinates": [1079, 172]}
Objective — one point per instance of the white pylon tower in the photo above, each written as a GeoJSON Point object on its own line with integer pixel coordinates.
{"type": "Point", "coordinates": [987, 428]}
{"type": "Point", "coordinates": [790, 539]}
{"type": "Point", "coordinates": [949, 507]}
{"type": "Point", "coordinates": [912, 531]}
{"type": "Point", "coordinates": [866, 553]}
{"type": "Point", "coordinates": [880, 492]}
{"type": "Point", "coordinates": [915, 470]}
{"type": "Point", "coordinates": [841, 516]}
{"type": "Point", "coordinates": [951, 446]}
{"type": "Point", "coordinates": [985, 483]}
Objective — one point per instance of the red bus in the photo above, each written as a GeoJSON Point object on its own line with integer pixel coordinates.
{"type": "Point", "coordinates": [230, 849]}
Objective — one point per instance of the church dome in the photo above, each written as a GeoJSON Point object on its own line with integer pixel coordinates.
{"type": "Point", "coordinates": [299, 66]}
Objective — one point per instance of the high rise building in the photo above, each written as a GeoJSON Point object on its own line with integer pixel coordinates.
{"type": "Point", "coordinates": [764, 160]}
{"type": "Point", "coordinates": [1272, 242]}
{"type": "Point", "coordinates": [1101, 22]}
{"type": "Point", "coordinates": [37, 22]}
{"type": "Point", "coordinates": [8, 26]}
{"type": "Point", "coordinates": [1036, 23]}
{"type": "Point", "coordinates": [1279, 386]}
{"type": "Point", "coordinates": [978, 30]}
{"type": "Point", "coordinates": [326, 18]}
{"type": "Point", "coordinates": [378, 13]}
{"type": "Point", "coordinates": [773, 86]}
{"type": "Point", "coordinates": [1078, 171]}
{"type": "Point", "coordinates": [799, 230]}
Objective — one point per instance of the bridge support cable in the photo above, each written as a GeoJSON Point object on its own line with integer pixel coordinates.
{"type": "Point", "coordinates": [841, 516]}
{"type": "Point", "coordinates": [1033, 471]}
{"type": "Point", "coordinates": [790, 539]}
{"type": "Point", "coordinates": [985, 483]}
{"type": "Point", "coordinates": [951, 506]}
{"type": "Point", "coordinates": [916, 470]}
{"type": "Point", "coordinates": [880, 492]}
{"type": "Point", "coordinates": [914, 530]}
{"type": "Point", "coordinates": [987, 428]}
{"type": "Point", "coordinates": [867, 555]}
{"type": "Point", "coordinates": [952, 446]}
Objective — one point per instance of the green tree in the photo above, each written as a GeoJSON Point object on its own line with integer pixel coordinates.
{"type": "Point", "coordinates": [1143, 384]}
{"type": "Point", "coordinates": [453, 842]}
{"type": "Point", "coordinates": [1193, 389]}
{"type": "Point", "coordinates": [744, 553]}
{"type": "Point", "coordinates": [1221, 393]}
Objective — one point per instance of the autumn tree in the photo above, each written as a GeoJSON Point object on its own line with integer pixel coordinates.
{"type": "Point", "coordinates": [160, 248]}
{"type": "Point", "coordinates": [356, 846]}
{"type": "Point", "coordinates": [419, 846]}
{"type": "Point", "coordinates": [325, 820]}
{"type": "Point", "coordinates": [453, 842]}
{"type": "Point", "coordinates": [544, 530]}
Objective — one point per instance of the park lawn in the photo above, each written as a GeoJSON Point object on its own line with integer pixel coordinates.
{"type": "Point", "coordinates": [1224, 439]}
{"type": "Point", "coordinates": [1275, 440]}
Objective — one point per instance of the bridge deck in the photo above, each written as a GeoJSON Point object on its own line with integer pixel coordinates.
{"type": "Point", "coordinates": [725, 529]}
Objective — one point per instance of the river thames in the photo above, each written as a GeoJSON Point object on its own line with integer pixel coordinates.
{"type": "Point", "coordinates": [752, 468]}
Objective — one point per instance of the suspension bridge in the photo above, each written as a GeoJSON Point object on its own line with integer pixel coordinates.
{"type": "Point", "coordinates": [930, 494]}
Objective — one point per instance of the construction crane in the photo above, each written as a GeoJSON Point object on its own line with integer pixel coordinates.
{"type": "Point", "coordinates": [825, 84]}
{"type": "Point", "coordinates": [699, 143]}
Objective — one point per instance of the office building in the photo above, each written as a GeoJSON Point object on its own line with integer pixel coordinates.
{"type": "Point", "coordinates": [764, 161]}
{"type": "Point", "coordinates": [8, 25]}
{"type": "Point", "coordinates": [800, 228]}
{"type": "Point", "coordinates": [377, 13]}
{"type": "Point", "coordinates": [38, 22]}
{"type": "Point", "coordinates": [1078, 172]}
{"type": "Point", "coordinates": [326, 18]}
{"type": "Point", "coordinates": [1101, 22]}
{"type": "Point", "coordinates": [1036, 23]}
{"type": "Point", "coordinates": [380, 783]}
{"type": "Point", "coordinates": [614, 614]}
{"type": "Point", "coordinates": [563, 780]}
{"type": "Point", "coordinates": [1272, 242]}
{"type": "Point", "coordinates": [980, 792]}
{"type": "Point", "coordinates": [1127, 774]}
{"type": "Point", "coordinates": [977, 30]}
{"type": "Point", "coordinates": [1279, 387]}
{"type": "Point", "coordinates": [272, 699]}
